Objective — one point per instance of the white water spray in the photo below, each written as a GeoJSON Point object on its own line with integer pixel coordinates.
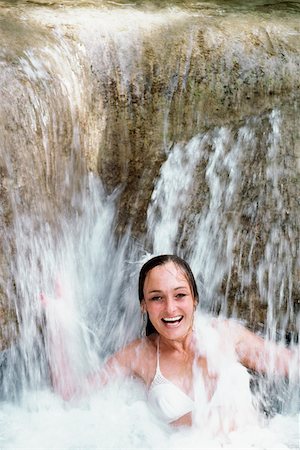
{"type": "Point", "coordinates": [99, 313]}
{"type": "Point", "coordinates": [88, 276]}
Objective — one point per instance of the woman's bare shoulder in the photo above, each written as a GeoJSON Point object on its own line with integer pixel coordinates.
{"type": "Point", "coordinates": [227, 325]}
{"type": "Point", "coordinates": [134, 356]}
{"type": "Point", "coordinates": [138, 345]}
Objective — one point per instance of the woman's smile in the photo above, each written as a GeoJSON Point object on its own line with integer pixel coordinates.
{"type": "Point", "coordinates": [172, 322]}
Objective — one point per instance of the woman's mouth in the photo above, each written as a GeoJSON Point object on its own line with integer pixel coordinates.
{"type": "Point", "coordinates": [172, 321]}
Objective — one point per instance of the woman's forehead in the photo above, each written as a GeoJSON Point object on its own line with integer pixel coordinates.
{"type": "Point", "coordinates": [167, 272]}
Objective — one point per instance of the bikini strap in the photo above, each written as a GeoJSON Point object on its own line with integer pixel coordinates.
{"type": "Point", "coordinates": [158, 377]}
{"type": "Point", "coordinates": [157, 356]}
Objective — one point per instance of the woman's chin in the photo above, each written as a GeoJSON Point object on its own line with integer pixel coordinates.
{"type": "Point", "coordinates": [178, 332]}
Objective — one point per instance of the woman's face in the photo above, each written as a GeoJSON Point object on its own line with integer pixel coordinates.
{"type": "Point", "coordinates": [169, 301]}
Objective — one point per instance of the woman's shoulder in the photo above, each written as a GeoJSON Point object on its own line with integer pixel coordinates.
{"type": "Point", "coordinates": [140, 344]}
{"type": "Point", "coordinates": [217, 335]}
{"type": "Point", "coordinates": [138, 357]}
{"type": "Point", "coordinates": [219, 323]}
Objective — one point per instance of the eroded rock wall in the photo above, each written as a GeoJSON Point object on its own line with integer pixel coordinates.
{"type": "Point", "coordinates": [112, 91]}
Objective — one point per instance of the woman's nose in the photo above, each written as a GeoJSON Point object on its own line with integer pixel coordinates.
{"type": "Point", "coordinates": [170, 305]}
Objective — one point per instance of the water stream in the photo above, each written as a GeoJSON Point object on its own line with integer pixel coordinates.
{"type": "Point", "coordinates": [75, 180]}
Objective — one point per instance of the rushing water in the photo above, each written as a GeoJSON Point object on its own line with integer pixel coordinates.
{"type": "Point", "coordinates": [96, 275]}
{"type": "Point", "coordinates": [223, 198]}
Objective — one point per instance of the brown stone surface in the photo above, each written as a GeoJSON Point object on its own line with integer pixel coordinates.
{"type": "Point", "coordinates": [86, 92]}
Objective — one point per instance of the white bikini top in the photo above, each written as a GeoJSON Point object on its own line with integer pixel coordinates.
{"type": "Point", "coordinates": [168, 400]}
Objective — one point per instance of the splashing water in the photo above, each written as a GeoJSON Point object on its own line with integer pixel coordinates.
{"type": "Point", "coordinates": [221, 201]}
{"type": "Point", "coordinates": [93, 277]}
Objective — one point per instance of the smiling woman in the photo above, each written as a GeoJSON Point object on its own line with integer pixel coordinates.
{"type": "Point", "coordinates": [174, 356]}
{"type": "Point", "coordinates": [168, 294]}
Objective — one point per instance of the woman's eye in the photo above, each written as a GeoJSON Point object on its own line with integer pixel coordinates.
{"type": "Point", "coordinates": [180, 295]}
{"type": "Point", "coordinates": [157, 298]}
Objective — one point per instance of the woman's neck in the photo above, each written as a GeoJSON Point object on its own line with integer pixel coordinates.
{"type": "Point", "coordinates": [185, 344]}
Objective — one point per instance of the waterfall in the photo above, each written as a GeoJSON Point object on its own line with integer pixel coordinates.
{"type": "Point", "coordinates": [129, 131]}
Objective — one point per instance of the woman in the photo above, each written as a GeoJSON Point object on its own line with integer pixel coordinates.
{"type": "Point", "coordinates": [172, 356]}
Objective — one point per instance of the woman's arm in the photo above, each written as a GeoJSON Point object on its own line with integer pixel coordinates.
{"type": "Point", "coordinates": [121, 364]}
{"type": "Point", "coordinates": [63, 340]}
{"type": "Point", "coordinates": [262, 355]}
{"type": "Point", "coordinates": [68, 379]}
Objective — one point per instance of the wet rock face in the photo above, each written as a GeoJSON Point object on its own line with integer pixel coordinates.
{"type": "Point", "coordinates": [112, 92]}
{"type": "Point", "coordinates": [189, 77]}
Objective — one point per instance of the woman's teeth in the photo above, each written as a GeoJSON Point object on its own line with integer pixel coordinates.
{"type": "Point", "coordinates": [172, 319]}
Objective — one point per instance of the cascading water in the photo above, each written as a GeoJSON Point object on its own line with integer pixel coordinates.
{"type": "Point", "coordinates": [222, 199]}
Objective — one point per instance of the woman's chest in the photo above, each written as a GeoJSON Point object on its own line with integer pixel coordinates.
{"type": "Point", "coordinates": [181, 371]}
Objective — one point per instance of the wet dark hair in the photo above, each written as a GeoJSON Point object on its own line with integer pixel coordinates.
{"type": "Point", "coordinates": [160, 261]}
